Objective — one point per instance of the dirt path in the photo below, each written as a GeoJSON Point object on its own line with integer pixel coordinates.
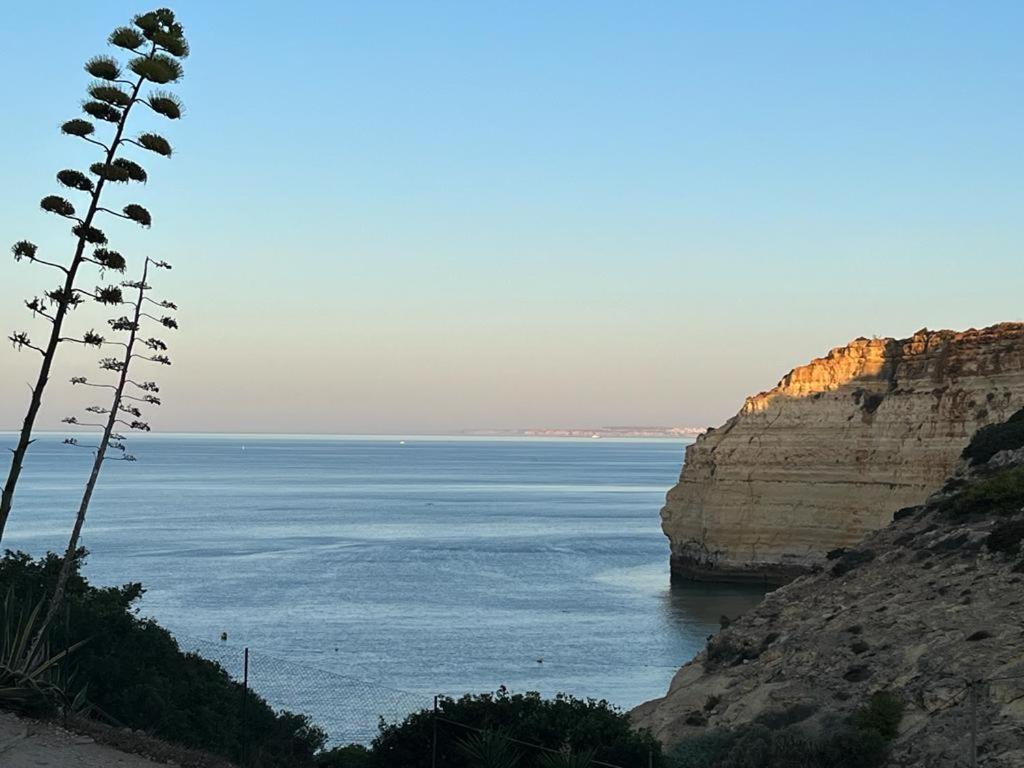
{"type": "Point", "coordinates": [31, 744]}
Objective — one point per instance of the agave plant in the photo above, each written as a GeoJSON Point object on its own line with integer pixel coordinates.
{"type": "Point", "coordinates": [154, 44]}
{"type": "Point", "coordinates": [490, 749]}
{"type": "Point", "coordinates": [28, 681]}
{"type": "Point", "coordinates": [568, 759]}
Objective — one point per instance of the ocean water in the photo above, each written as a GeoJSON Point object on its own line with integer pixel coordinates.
{"type": "Point", "coordinates": [367, 574]}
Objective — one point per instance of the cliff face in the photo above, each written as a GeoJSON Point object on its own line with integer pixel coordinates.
{"type": "Point", "coordinates": [832, 451]}
{"type": "Point", "coordinates": [919, 609]}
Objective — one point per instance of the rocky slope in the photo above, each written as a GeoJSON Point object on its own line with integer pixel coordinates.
{"type": "Point", "coordinates": [919, 608]}
{"type": "Point", "coordinates": [828, 454]}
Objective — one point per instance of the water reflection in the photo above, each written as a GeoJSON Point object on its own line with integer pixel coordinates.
{"type": "Point", "coordinates": [693, 609]}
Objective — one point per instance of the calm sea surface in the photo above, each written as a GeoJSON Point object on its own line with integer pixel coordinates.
{"type": "Point", "coordinates": [359, 569]}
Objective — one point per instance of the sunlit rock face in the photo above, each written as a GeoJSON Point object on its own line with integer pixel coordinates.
{"type": "Point", "coordinates": [835, 449]}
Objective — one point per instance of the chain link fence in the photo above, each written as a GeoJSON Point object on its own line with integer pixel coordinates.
{"type": "Point", "coordinates": [348, 708]}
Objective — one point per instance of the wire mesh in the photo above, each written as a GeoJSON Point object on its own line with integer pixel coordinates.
{"type": "Point", "coordinates": [348, 708]}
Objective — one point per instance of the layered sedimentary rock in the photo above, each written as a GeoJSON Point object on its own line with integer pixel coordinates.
{"type": "Point", "coordinates": [919, 609]}
{"type": "Point", "coordinates": [832, 451]}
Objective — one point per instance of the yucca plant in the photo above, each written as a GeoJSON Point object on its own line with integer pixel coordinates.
{"type": "Point", "coordinates": [155, 44]}
{"type": "Point", "coordinates": [124, 410]}
{"type": "Point", "coordinates": [490, 749]}
{"type": "Point", "coordinates": [28, 679]}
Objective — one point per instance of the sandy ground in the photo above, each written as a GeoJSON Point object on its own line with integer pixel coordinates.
{"type": "Point", "coordinates": [29, 743]}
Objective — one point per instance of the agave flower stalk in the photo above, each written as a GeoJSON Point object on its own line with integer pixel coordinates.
{"type": "Point", "coordinates": [156, 42]}
{"type": "Point", "coordinates": [123, 412]}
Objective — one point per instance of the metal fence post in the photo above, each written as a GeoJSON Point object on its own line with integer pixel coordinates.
{"type": "Point", "coordinates": [245, 703]}
{"type": "Point", "coordinates": [433, 745]}
{"type": "Point", "coordinates": [974, 724]}
{"type": "Point", "coordinates": [64, 661]}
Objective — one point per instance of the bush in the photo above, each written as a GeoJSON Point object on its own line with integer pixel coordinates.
{"type": "Point", "coordinates": [561, 722]}
{"type": "Point", "coordinates": [852, 559]}
{"type": "Point", "coordinates": [883, 713]}
{"type": "Point", "coordinates": [1006, 537]}
{"type": "Point", "coordinates": [998, 494]}
{"type": "Point", "coordinates": [724, 651]}
{"type": "Point", "coordinates": [990, 440]}
{"type": "Point", "coordinates": [134, 672]}
{"type": "Point", "coordinates": [861, 741]}
{"type": "Point", "coordinates": [351, 756]}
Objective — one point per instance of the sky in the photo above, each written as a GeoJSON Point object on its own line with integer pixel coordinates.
{"type": "Point", "coordinates": [401, 217]}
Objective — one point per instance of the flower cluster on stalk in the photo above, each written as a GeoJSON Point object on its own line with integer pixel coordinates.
{"type": "Point", "coordinates": [128, 396]}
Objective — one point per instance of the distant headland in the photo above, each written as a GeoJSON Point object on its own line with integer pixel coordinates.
{"type": "Point", "coordinates": [591, 432]}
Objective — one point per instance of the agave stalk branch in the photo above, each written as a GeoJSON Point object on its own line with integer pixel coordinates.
{"type": "Point", "coordinates": [25, 436]}
{"type": "Point", "coordinates": [101, 451]}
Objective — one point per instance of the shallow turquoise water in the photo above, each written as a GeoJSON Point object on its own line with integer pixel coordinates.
{"type": "Point", "coordinates": [441, 565]}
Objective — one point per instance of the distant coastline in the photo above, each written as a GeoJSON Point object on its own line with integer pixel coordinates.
{"type": "Point", "coordinates": [595, 432]}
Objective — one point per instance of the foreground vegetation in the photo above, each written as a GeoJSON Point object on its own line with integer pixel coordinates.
{"type": "Point", "coordinates": [130, 672]}
{"type": "Point", "coordinates": [860, 741]}
{"type": "Point", "coordinates": [580, 730]}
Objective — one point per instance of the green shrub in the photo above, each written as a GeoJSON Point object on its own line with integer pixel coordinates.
{"type": "Point", "coordinates": [779, 719]}
{"type": "Point", "coordinates": [725, 651]}
{"type": "Point", "coordinates": [998, 494]}
{"type": "Point", "coordinates": [1006, 537]}
{"type": "Point", "coordinates": [704, 751]}
{"type": "Point", "coordinates": [990, 440]}
{"type": "Point", "coordinates": [136, 674]}
{"type": "Point", "coordinates": [883, 714]}
{"type": "Point", "coordinates": [861, 741]}
{"type": "Point", "coordinates": [563, 722]}
{"type": "Point", "coordinates": [349, 756]}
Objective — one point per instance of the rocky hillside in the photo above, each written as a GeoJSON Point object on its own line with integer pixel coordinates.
{"type": "Point", "coordinates": [919, 609]}
{"type": "Point", "coordinates": [828, 454]}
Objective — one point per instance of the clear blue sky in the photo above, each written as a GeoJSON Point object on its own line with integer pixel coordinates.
{"type": "Point", "coordinates": [424, 216]}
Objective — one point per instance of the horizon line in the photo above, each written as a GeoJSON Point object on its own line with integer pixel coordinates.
{"type": "Point", "coordinates": [499, 434]}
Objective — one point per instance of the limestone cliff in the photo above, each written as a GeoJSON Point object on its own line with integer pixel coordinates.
{"type": "Point", "coordinates": [919, 609]}
{"type": "Point", "coordinates": [828, 454]}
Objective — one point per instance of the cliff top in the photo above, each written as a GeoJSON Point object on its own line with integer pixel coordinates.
{"type": "Point", "coordinates": [874, 359]}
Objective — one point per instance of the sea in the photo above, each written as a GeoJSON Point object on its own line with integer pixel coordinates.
{"type": "Point", "coordinates": [365, 575]}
